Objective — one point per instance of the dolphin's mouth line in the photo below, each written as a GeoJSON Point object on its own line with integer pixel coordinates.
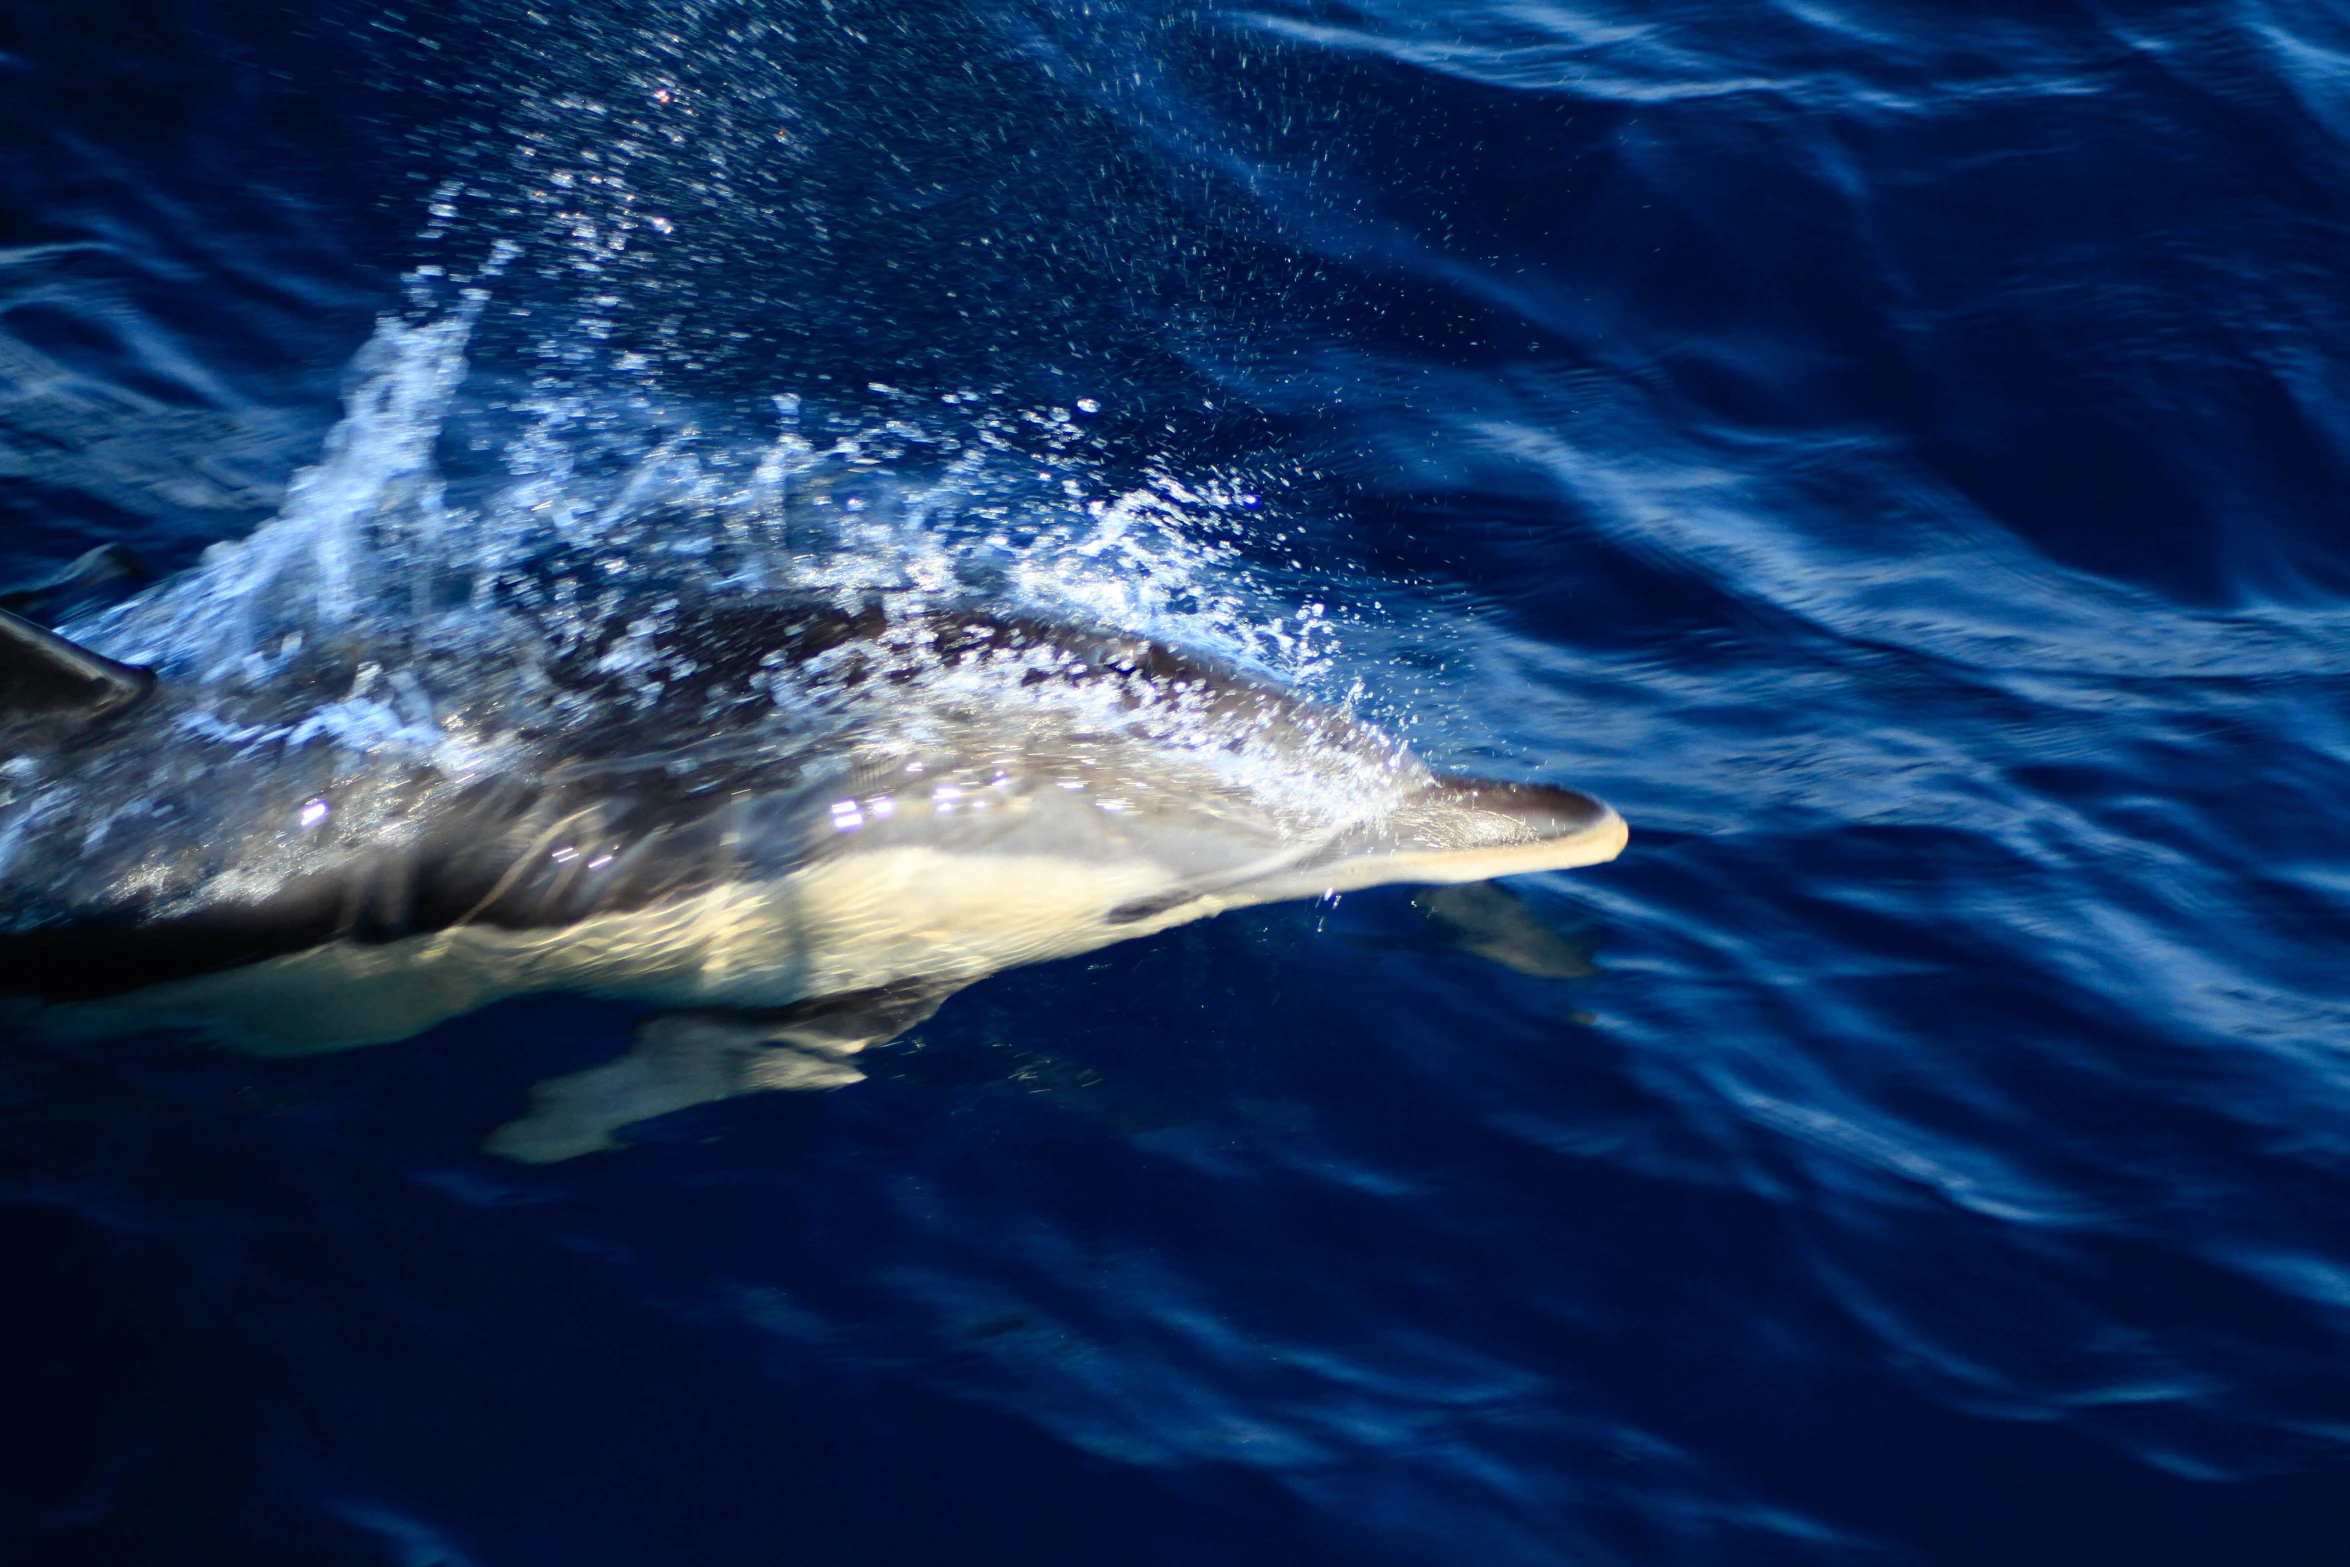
{"type": "Point", "coordinates": [1596, 839]}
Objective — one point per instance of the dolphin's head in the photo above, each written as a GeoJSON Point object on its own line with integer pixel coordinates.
{"type": "Point", "coordinates": [1024, 741]}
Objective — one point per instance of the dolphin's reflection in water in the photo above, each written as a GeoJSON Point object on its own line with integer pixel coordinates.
{"type": "Point", "coordinates": [1488, 920]}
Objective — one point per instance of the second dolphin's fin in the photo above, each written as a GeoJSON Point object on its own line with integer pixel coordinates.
{"type": "Point", "coordinates": [45, 677]}
{"type": "Point", "coordinates": [682, 1059]}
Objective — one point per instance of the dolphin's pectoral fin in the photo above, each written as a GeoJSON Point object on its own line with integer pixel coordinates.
{"type": "Point", "coordinates": [578, 1114]}
{"type": "Point", "coordinates": [682, 1059]}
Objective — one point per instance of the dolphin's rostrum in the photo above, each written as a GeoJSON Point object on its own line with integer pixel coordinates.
{"type": "Point", "coordinates": [800, 824]}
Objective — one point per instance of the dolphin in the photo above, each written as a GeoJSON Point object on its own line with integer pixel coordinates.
{"type": "Point", "coordinates": [795, 825]}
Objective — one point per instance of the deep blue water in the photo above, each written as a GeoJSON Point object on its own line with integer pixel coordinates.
{"type": "Point", "coordinates": [1899, 455]}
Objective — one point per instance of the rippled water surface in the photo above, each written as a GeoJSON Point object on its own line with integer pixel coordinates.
{"type": "Point", "coordinates": [1898, 456]}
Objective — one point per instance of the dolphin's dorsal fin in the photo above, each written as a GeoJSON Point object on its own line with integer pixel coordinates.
{"type": "Point", "coordinates": [43, 676]}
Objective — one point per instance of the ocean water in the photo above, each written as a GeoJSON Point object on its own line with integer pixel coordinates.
{"type": "Point", "coordinates": [1899, 457]}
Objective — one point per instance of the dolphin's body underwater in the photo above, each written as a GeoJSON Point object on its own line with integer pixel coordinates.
{"type": "Point", "coordinates": [797, 824]}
